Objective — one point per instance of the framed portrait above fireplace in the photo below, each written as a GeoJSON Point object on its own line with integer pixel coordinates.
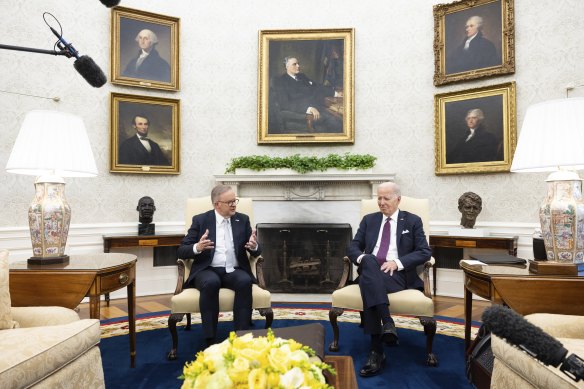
{"type": "Point", "coordinates": [306, 91]}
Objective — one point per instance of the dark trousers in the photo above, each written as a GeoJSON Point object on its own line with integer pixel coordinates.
{"type": "Point", "coordinates": [375, 285]}
{"type": "Point", "coordinates": [208, 282]}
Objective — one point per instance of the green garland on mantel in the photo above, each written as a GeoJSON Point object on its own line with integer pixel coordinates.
{"type": "Point", "coordinates": [302, 164]}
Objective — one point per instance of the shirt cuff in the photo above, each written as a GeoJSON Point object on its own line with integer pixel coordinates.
{"type": "Point", "coordinates": [400, 265]}
{"type": "Point", "coordinates": [359, 258]}
{"type": "Point", "coordinates": [195, 249]}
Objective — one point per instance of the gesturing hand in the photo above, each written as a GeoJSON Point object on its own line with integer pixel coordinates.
{"type": "Point", "coordinates": [204, 243]}
{"type": "Point", "coordinates": [252, 243]}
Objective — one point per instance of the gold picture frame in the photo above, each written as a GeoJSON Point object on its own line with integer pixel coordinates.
{"type": "Point", "coordinates": [492, 112]}
{"type": "Point", "coordinates": [317, 106]}
{"type": "Point", "coordinates": [134, 118]}
{"type": "Point", "coordinates": [144, 49]}
{"type": "Point", "coordinates": [473, 39]}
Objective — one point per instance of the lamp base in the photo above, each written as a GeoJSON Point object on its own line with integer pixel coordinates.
{"type": "Point", "coordinates": [48, 261]}
{"type": "Point", "coordinates": [556, 268]}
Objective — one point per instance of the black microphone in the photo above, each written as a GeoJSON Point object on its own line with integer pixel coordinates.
{"type": "Point", "coordinates": [84, 64]}
{"type": "Point", "coordinates": [507, 324]}
{"type": "Point", "coordinates": [110, 3]}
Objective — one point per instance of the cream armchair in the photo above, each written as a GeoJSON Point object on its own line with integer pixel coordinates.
{"type": "Point", "coordinates": [186, 301]}
{"type": "Point", "coordinates": [513, 368]}
{"type": "Point", "coordinates": [409, 302]}
{"type": "Point", "coordinates": [46, 347]}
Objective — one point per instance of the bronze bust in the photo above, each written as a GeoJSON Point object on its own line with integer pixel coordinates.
{"type": "Point", "coordinates": [146, 210]}
{"type": "Point", "coordinates": [470, 205]}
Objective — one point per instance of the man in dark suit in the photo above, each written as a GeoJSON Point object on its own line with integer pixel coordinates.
{"type": "Point", "coordinates": [148, 64]}
{"type": "Point", "coordinates": [475, 52]}
{"type": "Point", "coordinates": [477, 144]}
{"type": "Point", "coordinates": [218, 240]}
{"type": "Point", "coordinates": [387, 248]}
{"type": "Point", "coordinates": [139, 149]}
{"type": "Point", "coordinates": [295, 92]}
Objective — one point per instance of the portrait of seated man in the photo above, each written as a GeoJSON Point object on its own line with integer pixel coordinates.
{"type": "Point", "coordinates": [477, 144]}
{"type": "Point", "coordinates": [139, 149]}
{"type": "Point", "coordinates": [297, 103]}
{"type": "Point", "coordinates": [475, 51]}
{"type": "Point", "coordinates": [147, 63]}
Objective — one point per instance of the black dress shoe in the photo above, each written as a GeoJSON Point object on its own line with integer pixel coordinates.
{"type": "Point", "coordinates": [375, 362]}
{"type": "Point", "coordinates": [389, 334]}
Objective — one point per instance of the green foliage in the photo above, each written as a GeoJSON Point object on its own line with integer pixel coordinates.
{"type": "Point", "coordinates": [302, 164]}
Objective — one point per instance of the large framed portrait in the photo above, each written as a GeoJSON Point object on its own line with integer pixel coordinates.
{"type": "Point", "coordinates": [306, 86]}
{"type": "Point", "coordinates": [475, 130]}
{"type": "Point", "coordinates": [144, 135]}
{"type": "Point", "coordinates": [144, 49]}
{"type": "Point", "coordinates": [473, 39]}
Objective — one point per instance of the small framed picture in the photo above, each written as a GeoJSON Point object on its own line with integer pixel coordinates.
{"type": "Point", "coordinates": [144, 49]}
{"type": "Point", "coordinates": [475, 130]}
{"type": "Point", "coordinates": [306, 86]}
{"type": "Point", "coordinates": [473, 39]}
{"type": "Point", "coordinates": [144, 135]}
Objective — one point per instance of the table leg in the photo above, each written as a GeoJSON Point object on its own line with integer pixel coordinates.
{"type": "Point", "coordinates": [434, 276]}
{"type": "Point", "coordinates": [467, 316]}
{"type": "Point", "coordinates": [132, 321]}
{"type": "Point", "coordinates": [94, 308]}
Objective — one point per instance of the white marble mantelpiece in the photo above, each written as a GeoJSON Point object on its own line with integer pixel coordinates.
{"type": "Point", "coordinates": [289, 185]}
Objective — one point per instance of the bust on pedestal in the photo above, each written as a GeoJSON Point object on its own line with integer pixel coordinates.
{"type": "Point", "coordinates": [470, 205]}
{"type": "Point", "coordinates": [146, 210]}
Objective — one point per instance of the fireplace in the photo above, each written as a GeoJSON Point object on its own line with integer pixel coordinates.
{"type": "Point", "coordinates": [303, 257]}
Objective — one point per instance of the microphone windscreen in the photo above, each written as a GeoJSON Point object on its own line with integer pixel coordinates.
{"type": "Point", "coordinates": [110, 3]}
{"type": "Point", "coordinates": [507, 324]}
{"type": "Point", "coordinates": [90, 71]}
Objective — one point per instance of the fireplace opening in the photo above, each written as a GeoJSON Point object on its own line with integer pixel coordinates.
{"type": "Point", "coordinates": [303, 258]}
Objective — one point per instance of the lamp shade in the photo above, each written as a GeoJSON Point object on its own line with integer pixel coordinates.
{"type": "Point", "coordinates": [552, 137]}
{"type": "Point", "coordinates": [54, 143]}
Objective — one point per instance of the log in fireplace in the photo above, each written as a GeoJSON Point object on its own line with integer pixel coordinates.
{"type": "Point", "coordinates": [303, 258]}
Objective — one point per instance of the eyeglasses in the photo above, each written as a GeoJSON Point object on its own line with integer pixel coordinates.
{"type": "Point", "coordinates": [230, 203]}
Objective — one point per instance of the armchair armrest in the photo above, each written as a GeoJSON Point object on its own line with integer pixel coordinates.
{"type": "Point", "coordinates": [257, 262]}
{"type": "Point", "coordinates": [559, 326]}
{"type": "Point", "coordinates": [181, 267]}
{"type": "Point", "coordinates": [426, 277]}
{"type": "Point", "coordinates": [346, 271]}
{"type": "Point", "coordinates": [43, 316]}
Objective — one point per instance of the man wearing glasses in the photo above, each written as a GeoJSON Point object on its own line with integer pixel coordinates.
{"type": "Point", "coordinates": [217, 241]}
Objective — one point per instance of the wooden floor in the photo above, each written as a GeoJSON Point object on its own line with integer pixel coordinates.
{"type": "Point", "coordinates": [444, 306]}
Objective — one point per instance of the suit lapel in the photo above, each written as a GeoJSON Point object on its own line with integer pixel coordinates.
{"type": "Point", "coordinates": [401, 222]}
{"type": "Point", "coordinates": [237, 230]}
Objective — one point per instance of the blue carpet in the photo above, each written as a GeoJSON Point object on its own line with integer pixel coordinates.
{"type": "Point", "coordinates": [405, 369]}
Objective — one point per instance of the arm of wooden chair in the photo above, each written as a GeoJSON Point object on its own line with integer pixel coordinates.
{"type": "Point", "coordinates": [181, 266]}
{"type": "Point", "coordinates": [258, 262]}
{"type": "Point", "coordinates": [426, 277]}
{"type": "Point", "coordinates": [346, 271]}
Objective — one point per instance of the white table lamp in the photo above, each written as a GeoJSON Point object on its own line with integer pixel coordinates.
{"type": "Point", "coordinates": [51, 145]}
{"type": "Point", "coordinates": [552, 140]}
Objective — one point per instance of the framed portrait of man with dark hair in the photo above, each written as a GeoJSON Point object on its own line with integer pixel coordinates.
{"type": "Point", "coordinates": [475, 130]}
{"type": "Point", "coordinates": [306, 86]}
{"type": "Point", "coordinates": [473, 39]}
{"type": "Point", "coordinates": [144, 135]}
{"type": "Point", "coordinates": [144, 49]}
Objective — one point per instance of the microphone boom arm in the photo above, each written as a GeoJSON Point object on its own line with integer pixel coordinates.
{"type": "Point", "coordinates": [64, 52]}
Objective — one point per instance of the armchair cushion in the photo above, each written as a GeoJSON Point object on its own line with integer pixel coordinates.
{"type": "Point", "coordinates": [188, 299]}
{"type": "Point", "coordinates": [5, 313]}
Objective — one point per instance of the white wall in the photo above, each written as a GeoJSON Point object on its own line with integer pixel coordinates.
{"type": "Point", "coordinates": [219, 60]}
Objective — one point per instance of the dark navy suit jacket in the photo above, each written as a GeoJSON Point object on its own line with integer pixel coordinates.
{"type": "Point", "coordinates": [241, 229]}
{"type": "Point", "coordinates": [412, 246]}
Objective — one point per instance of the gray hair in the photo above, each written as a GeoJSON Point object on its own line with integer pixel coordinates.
{"type": "Point", "coordinates": [476, 112]}
{"type": "Point", "coordinates": [478, 20]}
{"type": "Point", "coordinates": [393, 186]}
{"type": "Point", "coordinates": [153, 36]}
{"type": "Point", "coordinates": [218, 191]}
{"type": "Point", "coordinates": [288, 58]}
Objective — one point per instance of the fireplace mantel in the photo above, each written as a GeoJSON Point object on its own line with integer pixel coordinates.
{"type": "Point", "coordinates": [289, 185]}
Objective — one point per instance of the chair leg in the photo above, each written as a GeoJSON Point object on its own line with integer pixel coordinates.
{"type": "Point", "coordinates": [188, 326]}
{"type": "Point", "coordinates": [429, 324]}
{"type": "Point", "coordinates": [268, 313]}
{"type": "Point", "coordinates": [172, 320]}
{"type": "Point", "coordinates": [361, 318]}
{"type": "Point", "coordinates": [333, 314]}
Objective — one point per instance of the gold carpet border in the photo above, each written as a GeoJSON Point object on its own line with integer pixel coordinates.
{"type": "Point", "coordinates": [152, 323]}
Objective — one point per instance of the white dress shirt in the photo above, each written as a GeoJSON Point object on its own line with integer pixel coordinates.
{"type": "Point", "coordinates": [392, 254]}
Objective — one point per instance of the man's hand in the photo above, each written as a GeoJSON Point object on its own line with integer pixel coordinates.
{"type": "Point", "coordinates": [314, 112]}
{"type": "Point", "coordinates": [389, 266]}
{"type": "Point", "coordinates": [204, 243]}
{"type": "Point", "coordinates": [252, 244]}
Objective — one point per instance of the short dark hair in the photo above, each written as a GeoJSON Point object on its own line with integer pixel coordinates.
{"type": "Point", "coordinates": [140, 116]}
{"type": "Point", "coordinates": [472, 196]}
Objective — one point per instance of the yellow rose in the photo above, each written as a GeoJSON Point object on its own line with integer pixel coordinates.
{"type": "Point", "coordinates": [278, 358]}
{"type": "Point", "coordinates": [292, 379]}
{"type": "Point", "coordinates": [257, 379]}
{"type": "Point", "coordinates": [202, 380]}
{"type": "Point", "coordinates": [219, 380]}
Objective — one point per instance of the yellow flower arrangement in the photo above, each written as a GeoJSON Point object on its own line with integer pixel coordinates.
{"type": "Point", "coordinates": [255, 363]}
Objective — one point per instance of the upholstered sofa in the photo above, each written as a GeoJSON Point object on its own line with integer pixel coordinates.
{"type": "Point", "coordinates": [514, 368]}
{"type": "Point", "coordinates": [46, 347]}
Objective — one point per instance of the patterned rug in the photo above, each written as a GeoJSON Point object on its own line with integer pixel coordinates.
{"type": "Point", "coordinates": [445, 325]}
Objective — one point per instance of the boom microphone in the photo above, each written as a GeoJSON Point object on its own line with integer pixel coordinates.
{"type": "Point", "coordinates": [110, 3]}
{"type": "Point", "coordinates": [507, 324]}
{"type": "Point", "coordinates": [84, 64]}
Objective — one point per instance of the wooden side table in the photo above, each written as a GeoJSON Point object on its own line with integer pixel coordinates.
{"type": "Point", "coordinates": [345, 368]}
{"type": "Point", "coordinates": [438, 242]}
{"type": "Point", "coordinates": [67, 284]}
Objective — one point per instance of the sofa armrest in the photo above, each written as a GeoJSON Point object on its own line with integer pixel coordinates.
{"type": "Point", "coordinates": [559, 326]}
{"type": "Point", "coordinates": [43, 316]}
